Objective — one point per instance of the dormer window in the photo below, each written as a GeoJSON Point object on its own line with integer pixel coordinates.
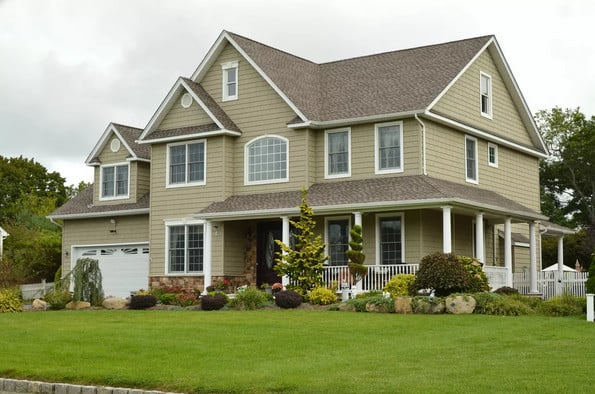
{"type": "Point", "coordinates": [485, 85]}
{"type": "Point", "coordinates": [230, 81]}
{"type": "Point", "coordinates": [114, 181]}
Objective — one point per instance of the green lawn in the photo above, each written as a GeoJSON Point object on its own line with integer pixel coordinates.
{"type": "Point", "coordinates": [300, 351]}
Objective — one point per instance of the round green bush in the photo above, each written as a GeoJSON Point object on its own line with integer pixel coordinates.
{"type": "Point", "coordinates": [57, 299]}
{"type": "Point", "coordinates": [505, 290]}
{"type": "Point", "coordinates": [565, 305]}
{"type": "Point", "coordinates": [322, 296]}
{"type": "Point", "coordinates": [249, 299]}
{"type": "Point", "coordinates": [400, 285]}
{"type": "Point", "coordinates": [142, 301]}
{"type": "Point", "coordinates": [288, 299]}
{"type": "Point", "coordinates": [213, 301]}
{"type": "Point", "coordinates": [496, 304]}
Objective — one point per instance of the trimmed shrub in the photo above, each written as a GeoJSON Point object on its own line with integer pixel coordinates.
{"type": "Point", "coordinates": [10, 300]}
{"type": "Point", "coordinates": [369, 294]}
{"type": "Point", "coordinates": [142, 301]}
{"type": "Point", "coordinates": [505, 290]}
{"type": "Point", "coordinates": [565, 305]}
{"type": "Point", "coordinates": [590, 285]}
{"type": "Point", "coordinates": [249, 299]}
{"type": "Point", "coordinates": [478, 280]}
{"type": "Point", "coordinates": [213, 301]}
{"type": "Point", "coordinates": [380, 304]}
{"type": "Point", "coordinates": [358, 304]}
{"type": "Point", "coordinates": [500, 305]}
{"type": "Point", "coordinates": [57, 299]}
{"type": "Point", "coordinates": [322, 296]}
{"type": "Point", "coordinates": [400, 285]}
{"type": "Point", "coordinates": [288, 299]}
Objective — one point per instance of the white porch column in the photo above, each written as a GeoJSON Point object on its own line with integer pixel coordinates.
{"type": "Point", "coordinates": [479, 238]}
{"type": "Point", "coordinates": [446, 230]}
{"type": "Point", "coordinates": [508, 251]}
{"type": "Point", "coordinates": [285, 240]}
{"type": "Point", "coordinates": [207, 261]}
{"type": "Point", "coordinates": [533, 260]}
{"type": "Point", "coordinates": [357, 218]}
{"type": "Point", "coordinates": [560, 272]}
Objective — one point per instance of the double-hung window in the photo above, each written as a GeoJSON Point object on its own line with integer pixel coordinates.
{"type": "Point", "coordinates": [338, 153]}
{"type": "Point", "coordinates": [337, 241]}
{"type": "Point", "coordinates": [492, 155]}
{"type": "Point", "coordinates": [471, 159]}
{"type": "Point", "coordinates": [485, 86]}
{"type": "Point", "coordinates": [114, 181]}
{"type": "Point", "coordinates": [186, 163]}
{"type": "Point", "coordinates": [266, 160]}
{"type": "Point", "coordinates": [185, 245]}
{"type": "Point", "coordinates": [230, 81]}
{"type": "Point", "coordinates": [390, 239]}
{"type": "Point", "coordinates": [388, 140]}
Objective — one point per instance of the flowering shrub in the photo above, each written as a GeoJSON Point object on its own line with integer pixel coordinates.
{"type": "Point", "coordinates": [220, 285]}
{"type": "Point", "coordinates": [186, 299]}
{"type": "Point", "coordinates": [277, 287]}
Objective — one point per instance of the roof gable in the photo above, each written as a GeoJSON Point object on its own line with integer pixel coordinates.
{"type": "Point", "coordinates": [221, 123]}
{"type": "Point", "coordinates": [127, 136]}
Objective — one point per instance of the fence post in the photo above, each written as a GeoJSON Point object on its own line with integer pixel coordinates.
{"type": "Point", "coordinates": [591, 307]}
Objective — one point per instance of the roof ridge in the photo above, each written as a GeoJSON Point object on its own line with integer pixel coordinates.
{"type": "Point", "coordinates": [127, 126]}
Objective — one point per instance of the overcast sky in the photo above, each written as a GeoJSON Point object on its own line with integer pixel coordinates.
{"type": "Point", "coordinates": [68, 68]}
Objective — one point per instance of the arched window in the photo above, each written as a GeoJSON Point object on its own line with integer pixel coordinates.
{"type": "Point", "coordinates": [266, 160]}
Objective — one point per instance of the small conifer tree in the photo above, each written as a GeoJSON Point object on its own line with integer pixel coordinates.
{"type": "Point", "coordinates": [356, 257]}
{"type": "Point", "coordinates": [87, 279]}
{"type": "Point", "coordinates": [304, 263]}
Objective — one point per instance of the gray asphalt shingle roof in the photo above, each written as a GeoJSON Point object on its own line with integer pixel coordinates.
{"type": "Point", "coordinates": [131, 134]}
{"type": "Point", "coordinates": [82, 204]}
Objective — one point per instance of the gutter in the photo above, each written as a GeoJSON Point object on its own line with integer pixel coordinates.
{"type": "Point", "coordinates": [423, 144]}
{"type": "Point", "coordinates": [91, 215]}
{"type": "Point", "coordinates": [323, 124]}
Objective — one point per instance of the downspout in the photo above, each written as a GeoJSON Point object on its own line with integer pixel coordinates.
{"type": "Point", "coordinates": [423, 144]}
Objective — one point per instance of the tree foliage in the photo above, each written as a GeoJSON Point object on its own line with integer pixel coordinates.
{"type": "Point", "coordinates": [304, 263]}
{"type": "Point", "coordinates": [355, 255]}
{"type": "Point", "coordinates": [87, 281]}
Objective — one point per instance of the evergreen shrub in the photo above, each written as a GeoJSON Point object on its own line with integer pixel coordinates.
{"type": "Point", "coordinates": [322, 296]}
{"type": "Point", "coordinates": [249, 299]}
{"type": "Point", "coordinates": [58, 298]}
{"type": "Point", "coordinates": [564, 305]}
{"type": "Point", "coordinates": [400, 285]}
{"type": "Point", "coordinates": [142, 301]}
{"type": "Point", "coordinates": [10, 300]}
{"type": "Point", "coordinates": [213, 301]}
{"type": "Point", "coordinates": [288, 299]}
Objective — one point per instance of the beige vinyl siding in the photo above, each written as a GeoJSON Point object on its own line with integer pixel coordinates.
{"type": "Point", "coordinates": [235, 246]}
{"type": "Point", "coordinates": [258, 111]}
{"type": "Point", "coordinates": [516, 177]}
{"type": "Point", "coordinates": [462, 235]}
{"type": "Point", "coordinates": [97, 231]}
{"type": "Point", "coordinates": [107, 157]}
{"type": "Point", "coordinates": [179, 116]}
{"type": "Point", "coordinates": [431, 230]}
{"type": "Point", "coordinates": [462, 103]}
{"type": "Point", "coordinates": [142, 182]}
{"type": "Point", "coordinates": [363, 155]}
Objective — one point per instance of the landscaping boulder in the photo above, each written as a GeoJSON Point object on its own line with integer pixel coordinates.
{"type": "Point", "coordinates": [346, 307]}
{"type": "Point", "coordinates": [375, 308]}
{"type": "Point", "coordinates": [403, 305]}
{"type": "Point", "coordinates": [423, 306]}
{"type": "Point", "coordinates": [115, 303]}
{"type": "Point", "coordinates": [460, 304]}
{"type": "Point", "coordinates": [76, 305]}
{"type": "Point", "coordinates": [39, 305]}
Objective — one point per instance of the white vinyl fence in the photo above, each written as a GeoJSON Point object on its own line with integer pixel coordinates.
{"type": "Point", "coordinates": [376, 278]}
{"type": "Point", "coordinates": [550, 284]}
{"type": "Point", "coordinates": [35, 290]}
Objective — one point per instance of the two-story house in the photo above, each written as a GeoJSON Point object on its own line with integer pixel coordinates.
{"type": "Point", "coordinates": [428, 149]}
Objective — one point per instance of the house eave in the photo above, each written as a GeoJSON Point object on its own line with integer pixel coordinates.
{"type": "Point", "coordinates": [190, 136]}
{"type": "Point", "coordinates": [91, 215]}
{"type": "Point", "coordinates": [325, 124]}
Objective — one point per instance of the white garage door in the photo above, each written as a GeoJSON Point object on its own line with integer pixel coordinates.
{"type": "Point", "coordinates": [124, 268]}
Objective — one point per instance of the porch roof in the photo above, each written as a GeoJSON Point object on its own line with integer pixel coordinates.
{"type": "Point", "coordinates": [384, 193]}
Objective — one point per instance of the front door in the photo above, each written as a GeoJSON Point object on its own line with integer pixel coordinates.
{"type": "Point", "coordinates": [266, 252]}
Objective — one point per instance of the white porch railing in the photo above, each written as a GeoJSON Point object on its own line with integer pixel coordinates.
{"type": "Point", "coordinates": [376, 278]}
{"type": "Point", "coordinates": [550, 284]}
{"type": "Point", "coordinates": [496, 276]}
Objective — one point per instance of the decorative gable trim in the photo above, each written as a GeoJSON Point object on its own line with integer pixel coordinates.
{"type": "Point", "coordinates": [168, 102]}
{"type": "Point", "coordinates": [111, 128]}
{"type": "Point", "coordinates": [216, 49]}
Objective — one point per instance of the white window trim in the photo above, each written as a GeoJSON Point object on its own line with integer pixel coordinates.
{"type": "Point", "coordinates": [377, 168]}
{"type": "Point", "coordinates": [326, 162]}
{"type": "Point", "coordinates": [326, 235]}
{"type": "Point", "coordinates": [247, 180]}
{"type": "Point", "coordinates": [185, 223]}
{"type": "Point", "coordinates": [169, 185]}
{"type": "Point", "coordinates": [490, 95]}
{"type": "Point", "coordinates": [224, 68]}
{"type": "Point", "coordinates": [470, 180]}
{"type": "Point", "coordinates": [125, 197]}
{"type": "Point", "coordinates": [379, 216]}
{"type": "Point", "coordinates": [495, 147]}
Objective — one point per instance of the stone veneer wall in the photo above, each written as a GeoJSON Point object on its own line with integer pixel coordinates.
{"type": "Point", "coordinates": [13, 386]}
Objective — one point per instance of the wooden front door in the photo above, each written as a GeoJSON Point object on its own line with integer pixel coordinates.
{"type": "Point", "coordinates": [266, 252]}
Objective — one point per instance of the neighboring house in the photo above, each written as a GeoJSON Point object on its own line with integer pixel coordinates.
{"type": "Point", "coordinates": [3, 235]}
{"type": "Point", "coordinates": [429, 149]}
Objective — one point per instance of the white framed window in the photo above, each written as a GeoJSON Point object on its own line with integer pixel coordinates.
{"type": "Point", "coordinates": [492, 155]}
{"type": "Point", "coordinates": [337, 239]}
{"type": "Point", "coordinates": [388, 147]}
{"type": "Point", "coordinates": [485, 96]}
{"type": "Point", "coordinates": [266, 160]}
{"type": "Point", "coordinates": [184, 248]}
{"type": "Point", "coordinates": [471, 159]}
{"type": "Point", "coordinates": [390, 239]}
{"type": "Point", "coordinates": [186, 163]}
{"type": "Point", "coordinates": [115, 181]}
{"type": "Point", "coordinates": [337, 152]}
{"type": "Point", "coordinates": [230, 81]}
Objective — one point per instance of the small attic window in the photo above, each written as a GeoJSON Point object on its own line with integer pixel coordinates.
{"type": "Point", "coordinates": [186, 100]}
{"type": "Point", "coordinates": [230, 81]}
{"type": "Point", "coordinates": [115, 145]}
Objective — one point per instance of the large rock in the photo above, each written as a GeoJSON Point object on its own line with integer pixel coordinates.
{"type": "Point", "coordinates": [375, 308]}
{"type": "Point", "coordinates": [39, 305]}
{"type": "Point", "coordinates": [115, 303]}
{"type": "Point", "coordinates": [428, 307]}
{"type": "Point", "coordinates": [76, 305]}
{"type": "Point", "coordinates": [460, 304]}
{"type": "Point", "coordinates": [403, 305]}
